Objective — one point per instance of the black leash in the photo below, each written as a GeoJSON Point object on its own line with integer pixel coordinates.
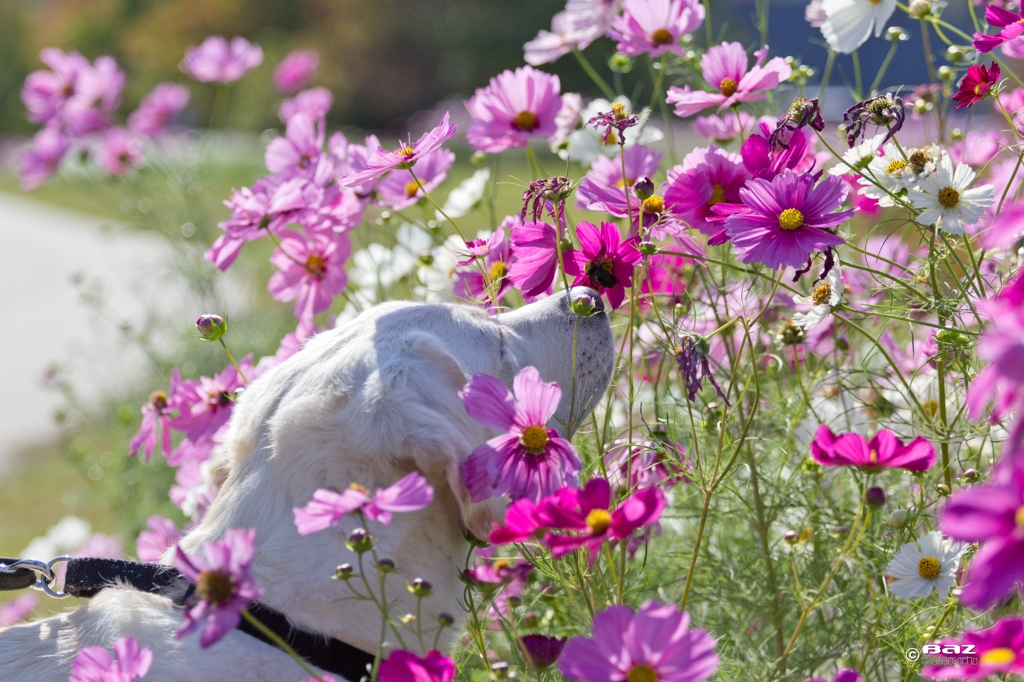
{"type": "Point", "coordinates": [85, 578]}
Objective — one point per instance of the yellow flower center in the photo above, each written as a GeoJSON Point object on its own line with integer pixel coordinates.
{"type": "Point", "coordinates": [821, 294]}
{"type": "Point", "coordinates": [641, 672]}
{"type": "Point", "coordinates": [999, 656]}
{"type": "Point", "coordinates": [949, 197]}
{"type": "Point", "coordinates": [525, 121]}
{"type": "Point", "coordinates": [1019, 518]}
{"type": "Point", "coordinates": [158, 399]}
{"type": "Point", "coordinates": [619, 111]}
{"type": "Point", "coordinates": [215, 587]}
{"type": "Point", "coordinates": [598, 521]}
{"type": "Point", "coordinates": [873, 456]}
{"type": "Point", "coordinates": [612, 138]}
{"type": "Point", "coordinates": [728, 87]}
{"type": "Point", "coordinates": [356, 486]}
{"type": "Point", "coordinates": [498, 271]}
{"type": "Point", "coordinates": [315, 265]}
{"type": "Point", "coordinates": [661, 37]}
{"type": "Point", "coordinates": [895, 166]}
{"type": "Point", "coordinates": [654, 205]}
{"type": "Point", "coordinates": [534, 439]}
{"type": "Point", "coordinates": [791, 219]}
{"type": "Point", "coordinates": [928, 568]}
{"type": "Point", "coordinates": [717, 195]}
{"type": "Point", "coordinates": [405, 150]}
{"type": "Point", "coordinates": [628, 182]}
{"type": "Point", "coordinates": [411, 189]}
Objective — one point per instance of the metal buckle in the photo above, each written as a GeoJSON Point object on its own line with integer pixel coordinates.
{"type": "Point", "coordinates": [45, 572]}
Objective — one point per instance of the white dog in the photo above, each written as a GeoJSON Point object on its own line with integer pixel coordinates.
{"type": "Point", "coordinates": [367, 404]}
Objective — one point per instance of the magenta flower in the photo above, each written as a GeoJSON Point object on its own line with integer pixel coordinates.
{"type": "Point", "coordinates": [655, 643]}
{"type": "Point", "coordinates": [782, 222]}
{"type": "Point", "coordinates": [18, 609]}
{"type": "Point", "coordinates": [843, 675]}
{"type": "Point", "coordinates": [400, 190]}
{"type": "Point", "coordinates": [706, 177]}
{"type": "Point", "coordinates": [764, 160]}
{"type": "Point", "coordinates": [42, 160]}
{"type": "Point", "coordinates": [998, 650]}
{"type": "Point", "coordinates": [295, 154]}
{"type": "Point", "coordinates": [160, 534]}
{"type": "Point", "coordinates": [976, 148]}
{"type": "Point", "coordinates": [655, 26]}
{"type": "Point", "coordinates": [529, 460]}
{"type": "Point", "coordinates": [224, 585]}
{"type": "Point", "coordinates": [327, 508]}
{"type": "Point", "coordinates": [725, 68]}
{"type": "Point", "coordinates": [666, 275]}
{"type": "Point", "coordinates": [406, 666]}
{"type": "Point", "coordinates": [130, 662]}
{"type": "Point", "coordinates": [411, 493]}
{"type": "Point", "coordinates": [481, 248]}
{"type": "Point", "coordinates": [884, 451]}
{"type": "Point", "coordinates": [217, 61]}
{"type": "Point", "coordinates": [97, 95]}
{"type": "Point", "coordinates": [541, 651]}
{"type": "Point", "coordinates": [46, 92]}
{"type": "Point", "coordinates": [534, 258]}
{"type": "Point", "coordinates": [295, 70]}
{"type": "Point", "coordinates": [403, 158]}
{"type": "Point", "coordinates": [311, 271]}
{"type": "Point", "coordinates": [514, 107]}
{"type": "Point", "coordinates": [603, 188]}
{"type": "Point", "coordinates": [469, 281]}
{"type": "Point", "coordinates": [314, 103]}
{"type": "Point", "coordinates": [605, 262]}
{"type": "Point", "coordinates": [1002, 347]}
{"type": "Point", "coordinates": [156, 416]}
{"type": "Point", "coordinates": [158, 109]}
{"type": "Point", "coordinates": [976, 84]}
{"type": "Point", "coordinates": [1007, 228]}
{"type": "Point", "coordinates": [994, 516]}
{"type": "Point", "coordinates": [1011, 23]}
{"type": "Point", "coordinates": [121, 152]}
{"type": "Point", "coordinates": [205, 404]}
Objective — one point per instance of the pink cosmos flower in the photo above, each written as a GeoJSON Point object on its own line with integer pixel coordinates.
{"type": "Point", "coordinates": [1007, 228]}
{"type": "Point", "coordinates": [46, 92]}
{"type": "Point", "coordinates": [655, 26]}
{"type": "Point", "coordinates": [976, 148]}
{"type": "Point", "coordinates": [121, 152]}
{"type": "Point", "coordinates": [156, 418]}
{"type": "Point", "coordinates": [314, 103]}
{"type": "Point", "coordinates": [603, 188]}
{"type": "Point", "coordinates": [480, 248]}
{"type": "Point", "coordinates": [655, 643]}
{"type": "Point", "coordinates": [160, 534]}
{"type": "Point", "coordinates": [217, 61]}
{"type": "Point", "coordinates": [666, 276]}
{"type": "Point", "coordinates": [529, 460]}
{"type": "Point", "coordinates": [17, 609]}
{"type": "Point", "coordinates": [535, 258]}
{"type": "Point", "coordinates": [605, 262]}
{"type": "Point", "coordinates": [406, 666]}
{"type": "Point", "coordinates": [725, 128]}
{"type": "Point", "coordinates": [514, 107]}
{"type": "Point", "coordinates": [400, 190]}
{"type": "Point", "coordinates": [998, 651]}
{"type": "Point", "coordinates": [569, 31]}
{"type": "Point", "coordinates": [1002, 347]}
{"type": "Point", "coordinates": [42, 160]}
{"type": "Point", "coordinates": [327, 508]}
{"type": "Point", "coordinates": [311, 271]}
{"type": "Point", "coordinates": [782, 222]}
{"type": "Point", "coordinates": [97, 95]}
{"type": "Point", "coordinates": [205, 404]}
{"type": "Point", "coordinates": [224, 585]}
{"type": "Point", "coordinates": [765, 161]}
{"type": "Point", "coordinates": [469, 281]}
{"type": "Point", "coordinates": [95, 664]}
{"type": "Point", "coordinates": [706, 177]}
{"type": "Point", "coordinates": [884, 451]}
{"type": "Point", "coordinates": [725, 68]}
{"type": "Point", "coordinates": [1011, 23]}
{"type": "Point", "coordinates": [646, 466]}
{"type": "Point", "coordinates": [158, 109]}
{"type": "Point", "coordinates": [403, 158]}
{"type": "Point", "coordinates": [295, 154]}
{"type": "Point", "coordinates": [843, 675]}
{"type": "Point", "coordinates": [295, 70]}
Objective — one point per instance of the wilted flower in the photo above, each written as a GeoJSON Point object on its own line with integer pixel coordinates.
{"type": "Point", "coordinates": [802, 112]}
{"type": "Point", "coordinates": [884, 110]}
{"type": "Point", "coordinates": [618, 119]}
{"type": "Point", "coordinates": [540, 193]}
{"type": "Point", "coordinates": [692, 358]}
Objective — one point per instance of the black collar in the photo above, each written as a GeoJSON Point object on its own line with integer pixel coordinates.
{"type": "Point", "coordinates": [86, 577]}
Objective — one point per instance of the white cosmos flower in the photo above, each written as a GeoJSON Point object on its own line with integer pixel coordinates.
{"type": "Point", "coordinates": [848, 23]}
{"type": "Point", "coordinates": [946, 200]}
{"type": "Point", "coordinates": [436, 279]}
{"type": "Point", "coordinates": [824, 298]}
{"type": "Point", "coordinates": [467, 195]}
{"type": "Point", "coordinates": [896, 172]}
{"type": "Point", "coordinates": [860, 157]}
{"type": "Point", "coordinates": [928, 565]}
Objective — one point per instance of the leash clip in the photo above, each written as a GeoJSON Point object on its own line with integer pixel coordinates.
{"type": "Point", "coordinates": [44, 571]}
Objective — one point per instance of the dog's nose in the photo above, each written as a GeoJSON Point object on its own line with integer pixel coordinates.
{"type": "Point", "coordinates": [576, 293]}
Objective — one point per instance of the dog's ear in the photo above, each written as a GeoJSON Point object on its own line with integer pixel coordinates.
{"type": "Point", "coordinates": [440, 434]}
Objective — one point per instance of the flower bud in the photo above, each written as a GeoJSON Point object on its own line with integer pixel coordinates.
{"type": "Point", "coordinates": [386, 566]}
{"type": "Point", "coordinates": [344, 572]}
{"type": "Point", "coordinates": [385, 215]}
{"type": "Point", "coordinates": [426, 259]}
{"type": "Point", "coordinates": [500, 669]}
{"type": "Point", "coordinates": [875, 497]}
{"type": "Point", "coordinates": [647, 248]}
{"type": "Point", "coordinates": [896, 34]}
{"type": "Point", "coordinates": [420, 587]}
{"type": "Point", "coordinates": [942, 489]}
{"type": "Point", "coordinates": [791, 537]}
{"type": "Point", "coordinates": [897, 519]}
{"type": "Point", "coordinates": [408, 618]}
{"type": "Point", "coordinates": [840, 531]}
{"type": "Point", "coordinates": [565, 244]}
{"type": "Point", "coordinates": [946, 73]}
{"type": "Point", "coordinates": [478, 158]}
{"type": "Point", "coordinates": [620, 62]}
{"type": "Point", "coordinates": [919, 8]}
{"type": "Point", "coordinates": [643, 188]}
{"type": "Point", "coordinates": [583, 306]}
{"type": "Point", "coordinates": [955, 54]}
{"type": "Point", "coordinates": [359, 541]}
{"type": "Point", "coordinates": [971, 475]}
{"type": "Point", "coordinates": [211, 327]}
{"type": "Point", "coordinates": [445, 619]}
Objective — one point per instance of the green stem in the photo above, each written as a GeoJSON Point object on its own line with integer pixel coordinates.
{"type": "Point", "coordinates": [885, 66]}
{"type": "Point", "coordinates": [857, 77]}
{"type": "Point", "coordinates": [594, 75]}
{"type": "Point", "coordinates": [231, 358]}
{"type": "Point", "coordinates": [280, 644]}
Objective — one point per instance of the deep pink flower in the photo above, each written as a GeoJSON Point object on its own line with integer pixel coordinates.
{"type": "Point", "coordinates": [725, 68]}
{"type": "Point", "coordinates": [976, 84]}
{"type": "Point", "coordinates": [295, 70]}
{"type": "Point", "coordinates": [327, 508]}
{"type": "Point", "coordinates": [998, 650]}
{"type": "Point", "coordinates": [403, 158]}
{"type": "Point", "coordinates": [1011, 23]}
{"type": "Point", "coordinates": [224, 584]}
{"type": "Point", "coordinates": [605, 262]}
{"type": "Point", "coordinates": [295, 154]}
{"type": "Point", "coordinates": [156, 415]}
{"type": "Point", "coordinates": [782, 222]}
{"type": "Point", "coordinates": [884, 451]}
{"type": "Point", "coordinates": [843, 675]}
{"type": "Point", "coordinates": [18, 609]}
{"type": "Point", "coordinates": [42, 159]}
{"type": "Point", "coordinates": [205, 404]}
{"type": "Point", "coordinates": [311, 271]}
{"type": "Point", "coordinates": [706, 177]}
{"type": "Point", "coordinates": [656, 643]}
{"type": "Point", "coordinates": [535, 258]}
{"type": "Point", "coordinates": [763, 160]}
{"type": "Point", "coordinates": [121, 152]}
{"type": "Point", "coordinates": [976, 148]}
{"type": "Point", "coordinates": [406, 666]}
{"type": "Point", "coordinates": [514, 107]}
{"type": "Point", "coordinates": [603, 188]}
{"type": "Point", "coordinates": [46, 92]}
{"type": "Point", "coordinates": [1007, 228]}
{"type": "Point", "coordinates": [158, 109]}
{"type": "Point", "coordinates": [527, 520]}
{"type": "Point", "coordinates": [666, 277]}
{"type": "Point", "coordinates": [95, 664]}
{"type": "Point", "coordinates": [411, 493]}
{"type": "Point", "coordinates": [541, 651]}
{"type": "Point", "coordinates": [400, 190]}
{"type": "Point", "coordinates": [217, 61]}
{"type": "Point", "coordinates": [1002, 347]}
{"type": "Point", "coordinates": [480, 248]}
{"type": "Point", "coordinates": [160, 534]}
{"type": "Point", "coordinates": [529, 460]}
{"type": "Point", "coordinates": [655, 26]}
{"type": "Point", "coordinates": [314, 103]}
